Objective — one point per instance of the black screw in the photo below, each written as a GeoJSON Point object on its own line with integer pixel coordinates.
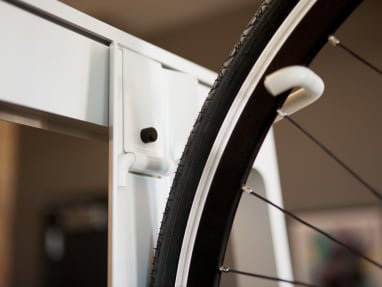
{"type": "Point", "coordinates": [149, 135]}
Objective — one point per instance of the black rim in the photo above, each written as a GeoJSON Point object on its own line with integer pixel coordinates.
{"type": "Point", "coordinates": [225, 190]}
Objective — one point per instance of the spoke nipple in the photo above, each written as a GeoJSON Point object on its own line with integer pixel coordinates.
{"type": "Point", "coordinates": [281, 113]}
{"type": "Point", "coordinates": [223, 269]}
{"type": "Point", "coordinates": [333, 40]}
{"type": "Point", "coordinates": [246, 189]}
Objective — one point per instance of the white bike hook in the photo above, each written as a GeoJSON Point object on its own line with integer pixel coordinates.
{"type": "Point", "coordinates": [310, 87]}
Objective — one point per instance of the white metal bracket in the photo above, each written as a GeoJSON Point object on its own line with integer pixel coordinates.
{"type": "Point", "coordinates": [309, 87]}
{"type": "Point", "coordinates": [162, 102]}
{"type": "Point", "coordinates": [141, 164]}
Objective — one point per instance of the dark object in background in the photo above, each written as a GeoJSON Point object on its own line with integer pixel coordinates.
{"type": "Point", "coordinates": [75, 244]}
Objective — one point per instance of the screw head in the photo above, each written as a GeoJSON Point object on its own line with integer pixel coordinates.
{"type": "Point", "coordinates": [149, 135]}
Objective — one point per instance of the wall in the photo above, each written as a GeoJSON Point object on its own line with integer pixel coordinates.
{"type": "Point", "coordinates": [8, 170]}
{"type": "Point", "coordinates": [207, 42]}
{"type": "Point", "coordinates": [53, 169]}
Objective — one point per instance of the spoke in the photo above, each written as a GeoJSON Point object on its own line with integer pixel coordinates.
{"type": "Point", "coordinates": [371, 189]}
{"type": "Point", "coordinates": [336, 43]}
{"type": "Point", "coordinates": [351, 249]}
{"type": "Point", "coordinates": [272, 278]}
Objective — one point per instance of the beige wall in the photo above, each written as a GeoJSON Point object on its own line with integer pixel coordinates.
{"type": "Point", "coordinates": [52, 169]}
{"type": "Point", "coordinates": [207, 42]}
{"type": "Point", "coordinates": [8, 170]}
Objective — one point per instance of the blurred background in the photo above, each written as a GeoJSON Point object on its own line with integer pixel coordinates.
{"type": "Point", "coordinates": [48, 177]}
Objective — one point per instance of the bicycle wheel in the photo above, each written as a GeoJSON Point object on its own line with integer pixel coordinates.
{"type": "Point", "coordinates": [228, 134]}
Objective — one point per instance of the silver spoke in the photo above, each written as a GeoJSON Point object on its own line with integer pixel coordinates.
{"type": "Point", "coordinates": [337, 43]}
{"type": "Point", "coordinates": [349, 248]}
{"type": "Point", "coordinates": [356, 176]}
{"type": "Point", "coordinates": [266, 277]}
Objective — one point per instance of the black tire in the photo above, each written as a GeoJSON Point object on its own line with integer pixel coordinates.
{"type": "Point", "coordinates": [247, 135]}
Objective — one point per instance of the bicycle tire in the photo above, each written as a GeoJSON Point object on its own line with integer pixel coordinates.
{"type": "Point", "coordinates": [192, 258]}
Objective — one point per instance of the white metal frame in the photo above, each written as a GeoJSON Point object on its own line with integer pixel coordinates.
{"type": "Point", "coordinates": [60, 65]}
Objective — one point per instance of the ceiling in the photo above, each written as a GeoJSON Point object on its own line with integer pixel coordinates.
{"type": "Point", "coordinates": [145, 18]}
